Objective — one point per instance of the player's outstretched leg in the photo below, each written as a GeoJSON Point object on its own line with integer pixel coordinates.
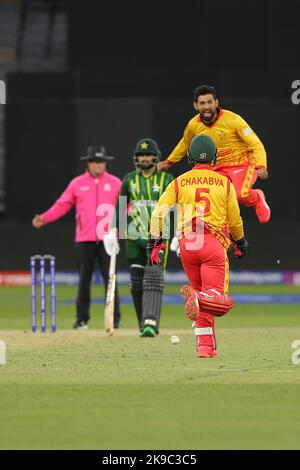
{"type": "Point", "coordinates": [243, 178]}
{"type": "Point", "coordinates": [211, 301]}
{"type": "Point", "coordinates": [153, 286]}
{"type": "Point", "coordinates": [136, 288]}
{"type": "Point", "coordinates": [262, 208]}
{"type": "Point", "coordinates": [201, 308]}
{"type": "Point", "coordinates": [256, 199]}
{"type": "Point", "coordinates": [203, 323]}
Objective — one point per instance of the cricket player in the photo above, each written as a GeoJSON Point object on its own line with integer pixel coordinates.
{"type": "Point", "coordinates": [141, 190]}
{"type": "Point", "coordinates": [241, 155]}
{"type": "Point", "coordinates": [209, 221]}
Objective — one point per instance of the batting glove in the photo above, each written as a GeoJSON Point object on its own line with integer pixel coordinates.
{"type": "Point", "coordinates": [241, 248]}
{"type": "Point", "coordinates": [154, 247]}
{"type": "Point", "coordinates": [110, 242]}
{"type": "Point", "coordinates": [174, 246]}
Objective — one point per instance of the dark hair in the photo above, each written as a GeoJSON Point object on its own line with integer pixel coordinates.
{"type": "Point", "coordinates": [204, 90]}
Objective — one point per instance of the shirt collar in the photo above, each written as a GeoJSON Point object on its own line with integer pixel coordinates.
{"type": "Point", "coordinates": [219, 114]}
{"type": "Point", "coordinates": [203, 166]}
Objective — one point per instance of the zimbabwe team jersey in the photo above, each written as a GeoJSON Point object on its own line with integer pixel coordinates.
{"type": "Point", "coordinates": [236, 142]}
{"type": "Point", "coordinates": [142, 193]}
{"type": "Point", "coordinates": [201, 192]}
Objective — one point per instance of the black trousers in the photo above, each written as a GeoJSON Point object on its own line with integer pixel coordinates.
{"type": "Point", "coordinates": [86, 253]}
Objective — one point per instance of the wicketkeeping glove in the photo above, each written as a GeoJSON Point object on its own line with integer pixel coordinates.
{"type": "Point", "coordinates": [241, 248]}
{"type": "Point", "coordinates": [154, 246]}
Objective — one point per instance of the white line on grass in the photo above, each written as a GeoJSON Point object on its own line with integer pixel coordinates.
{"type": "Point", "coordinates": [188, 369]}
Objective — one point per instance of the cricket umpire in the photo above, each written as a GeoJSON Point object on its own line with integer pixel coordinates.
{"type": "Point", "coordinates": [90, 192]}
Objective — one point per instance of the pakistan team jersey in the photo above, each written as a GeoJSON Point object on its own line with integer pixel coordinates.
{"type": "Point", "coordinates": [236, 142]}
{"type": "Point", "coordinates": [139, 196]}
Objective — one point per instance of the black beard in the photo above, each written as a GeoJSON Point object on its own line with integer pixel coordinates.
{"type": "Point", "coordinates": [210, 120]}
{"type": "Point", "coordinates": [146, 166]}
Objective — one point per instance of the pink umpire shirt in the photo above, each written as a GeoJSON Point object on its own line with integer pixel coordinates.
{"type": "Point", "coordinates": [94, 200]}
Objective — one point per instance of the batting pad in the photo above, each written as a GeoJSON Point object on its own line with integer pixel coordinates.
{"type": "Point", "coordinates": [216, 304]}
{"type": "Point", "coordinates": [203, 331]}
{"type": "Point", "coordinates": [153, 286]}
{"type": "Point", "coordinates": [136, 288]}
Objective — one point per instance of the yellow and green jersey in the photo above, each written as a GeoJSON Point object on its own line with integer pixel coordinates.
{"type": "Point", "coordinates": [138, 198]}
{"type": "Point", "coordinates": [236, 142]}
{"type": "Point", "coordinates": [204, 193]}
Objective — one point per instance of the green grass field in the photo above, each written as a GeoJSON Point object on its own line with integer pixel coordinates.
{"type": "Point", "coordinates": [83, 390]}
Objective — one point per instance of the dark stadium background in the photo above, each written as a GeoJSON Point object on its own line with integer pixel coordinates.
{"type": "Point", "coordinates": [127, 71]}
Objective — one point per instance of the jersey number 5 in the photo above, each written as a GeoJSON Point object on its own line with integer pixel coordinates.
{"type": "Point", "coordinates": [205, 206]}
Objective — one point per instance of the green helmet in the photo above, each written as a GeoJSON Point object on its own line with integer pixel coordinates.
{"type": "Point", "coordinates": [146, 147]}
{"type": "Point", "coordinates": [202, 150]}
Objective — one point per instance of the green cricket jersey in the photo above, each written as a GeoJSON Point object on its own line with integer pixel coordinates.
{"type": "Point", "coordinates": [139, 195]}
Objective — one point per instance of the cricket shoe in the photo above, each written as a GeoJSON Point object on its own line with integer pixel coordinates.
{"type": "Point", "coordinates": [149, 332]}
{"type": "Point", "coordinates": [80, 325]}
{"type": "Point", "coordinates": [206, 351]}
{"type": "Point", "coordinates": [190, 297]}
{"type": "Point", "coordinates": [206, 344]}
{"type": "Point", "coordinates": [262, 209]}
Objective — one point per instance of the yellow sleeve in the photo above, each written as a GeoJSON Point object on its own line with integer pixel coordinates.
{"type": "Point", "coordinates": [182, 147]}
{"type": "Point", "coordinates": [234, 218]}
{"type": "Point", "coordinates": [165, 202]}
{"type": "Point", "coordinates": [252, 141]}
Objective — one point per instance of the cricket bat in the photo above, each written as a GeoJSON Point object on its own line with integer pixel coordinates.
{"type": "Point", "coordinates": [110, 297]}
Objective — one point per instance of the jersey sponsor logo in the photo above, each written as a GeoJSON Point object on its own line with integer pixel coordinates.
{"type": "Point", "coordinates": [247, 131]}
{"type": "Point", "coordinates": [84, 188]}
{"type": "Point", "coordinates": [156, 188]}
{"type": "Point", "coordinates": [223, 153]}
{"type": "Point", "coordinates": [144, 202]}
{"type": "Point", "coordinates": [222, 135]}
{"type": "Point", "coordinates": [201, 180]}
{"type": "Point", "coordinates": [107, 187]}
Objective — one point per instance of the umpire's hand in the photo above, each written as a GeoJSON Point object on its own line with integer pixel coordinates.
{"type": "Point", "coordinates": [38, 221]}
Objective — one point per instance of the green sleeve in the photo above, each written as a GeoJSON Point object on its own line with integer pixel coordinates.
{"type": "Point", "coordinates": [169, 178]}
{"type": "Point", "coordinates": [124, 192]}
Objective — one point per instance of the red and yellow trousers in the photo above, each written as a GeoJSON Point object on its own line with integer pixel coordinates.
{"type": "Point", "coordinates": [243, 178]}
{"type": "Point", "coordinates": [206, 265]}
